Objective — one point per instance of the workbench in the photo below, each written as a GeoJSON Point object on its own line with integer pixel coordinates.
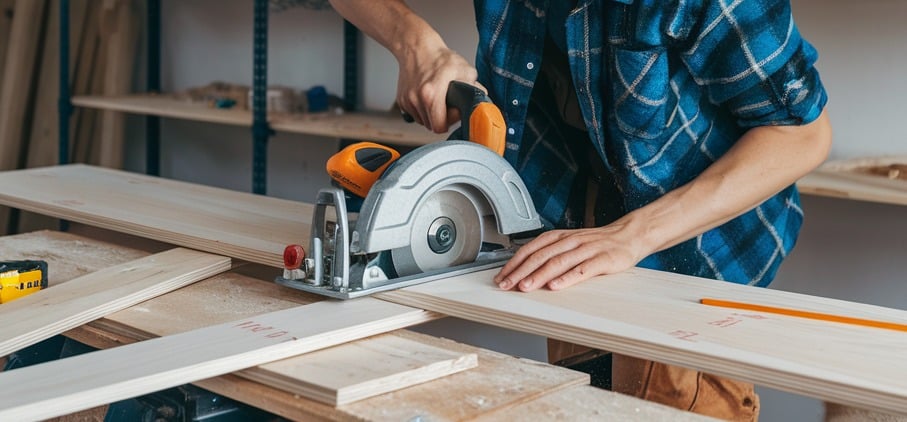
{"type": "Point", "coordinates": [647, 314]}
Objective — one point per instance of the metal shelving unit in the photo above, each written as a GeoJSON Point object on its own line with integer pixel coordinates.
{"type": "Point", "coordinates": [262, 129]}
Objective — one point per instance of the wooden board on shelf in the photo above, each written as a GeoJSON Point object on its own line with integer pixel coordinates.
{"type": "Point", "coordinates": [657, 315]}
{"type": "Point", "coordinates": [378, 127]}
{"type": "Point", "coordinates": [241, 225]}
{"type": "Point", "coordinates": [881, 179]}
{"type": "Point", "coordinates": [56, 309]}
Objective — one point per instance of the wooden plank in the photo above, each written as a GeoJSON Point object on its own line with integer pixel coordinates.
{"type": "Point", "coordinates": [587, 403]}
{"type": "Point", "coordinates": [241, 225]}
{"type": "Point", "coordinates": [121, 25]}
{"type": "Point", "coordinates": [54, 310]}
{"type": "Point", "coordinates": [63, 386]}
{"type": "Point", "coordinates": [378, 127]}
{"type": "Point", "coordinates": [657, 315]}
{"type": "Point", "coordinates": [363, 369]}
{"type": "Point", "coordinates": [17, 83]}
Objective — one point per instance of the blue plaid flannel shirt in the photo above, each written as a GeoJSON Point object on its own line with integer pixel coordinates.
{"type": "Point", "coordinates": [665, 88]}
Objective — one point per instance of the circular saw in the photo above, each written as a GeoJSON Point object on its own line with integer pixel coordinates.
{"type": "Point", "coordinates": [442, 209]}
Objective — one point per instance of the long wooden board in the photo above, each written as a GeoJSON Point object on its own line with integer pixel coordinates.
{"type": "Point", "coordinates": [240, 225]}
{"type": "Point", "coordinates": [67, 385]}
{"type": "Point", "coordinates": [657, 315]}
{"type": "Point", "coordinates": [56, 309]}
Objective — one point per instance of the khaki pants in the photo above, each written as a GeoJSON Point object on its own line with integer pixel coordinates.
{"type": "Point", "coordinates": [673, 386]}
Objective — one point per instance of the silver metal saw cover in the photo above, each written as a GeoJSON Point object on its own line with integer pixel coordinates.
{"type": "Point", "coordinates": [388, 213]}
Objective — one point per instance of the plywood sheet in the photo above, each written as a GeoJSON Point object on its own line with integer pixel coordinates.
{"type": "Point", "coordinates": [241, 225]}
{"type": "Point", "coordinates": [657, 315]}
{"type": "Point", "coordinates": [56, 309]}
{"type": "Point", "coordinates": [363, 369]}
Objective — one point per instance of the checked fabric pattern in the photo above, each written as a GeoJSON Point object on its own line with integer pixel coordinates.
{"type": "Point", "coordinates": [665, 89]}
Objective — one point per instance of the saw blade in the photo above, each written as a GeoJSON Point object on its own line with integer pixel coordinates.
{"type": "Point", "coordinates": [446, 231]}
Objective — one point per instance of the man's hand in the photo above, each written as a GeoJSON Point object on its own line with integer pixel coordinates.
{"type": "Point", "coordinates": [427, 65]}
{"type": "Point", "coordinates": [764, 161]}
{"type": "Point", "coordinates": [561, 258]}
{"type": "Point", "coordinates": [422, 85]}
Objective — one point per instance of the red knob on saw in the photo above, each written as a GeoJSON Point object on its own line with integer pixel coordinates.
{"type": "Point", "coordinates": [358, 166]}
{"type": "Point", "coordinates": [293, 257]}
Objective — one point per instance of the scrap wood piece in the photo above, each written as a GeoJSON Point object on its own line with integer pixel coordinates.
{"type": "Point", "coordinates": [657, 315]}
{"type": "Point", "coordinates": [80, 382]}
{"type": "Point", "coordinates": [241, 225]}
{"type": "Point", "coordinates": [366, 368]}
{"type": "Point", "coordinates": [56, 309]}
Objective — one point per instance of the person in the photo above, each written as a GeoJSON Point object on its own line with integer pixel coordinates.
{"type": "Point", "coordinates": [663, 134]}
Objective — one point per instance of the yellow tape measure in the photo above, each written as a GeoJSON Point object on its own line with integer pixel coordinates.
{"type": "Point", "coordinates": [21, 278]}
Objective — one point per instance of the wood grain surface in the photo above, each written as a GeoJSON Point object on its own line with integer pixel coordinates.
{"type": "Point", "coordinates": [240, 225]}
{"type": "Point", "coordinates": [657, 315]}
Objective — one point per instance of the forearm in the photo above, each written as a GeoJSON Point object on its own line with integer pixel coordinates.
{"type": "Point", "coordinates": [393, 24]}
{"type": "Point", "coordinates": [764, 161]}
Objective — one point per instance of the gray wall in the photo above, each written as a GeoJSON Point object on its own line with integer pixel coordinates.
{"type": "Point", "coordinates": [849, 250]}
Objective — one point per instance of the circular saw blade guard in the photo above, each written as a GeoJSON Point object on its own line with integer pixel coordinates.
{"type": "Point", "coordinates": [395, 203]}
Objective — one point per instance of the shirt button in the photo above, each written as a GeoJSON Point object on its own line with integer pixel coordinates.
{"type": "Point", "coordinates": [515, 102]}
{"type": "Point", "coordinates": [530, 65]}
{"type": "Point", "coordinates": [511, 131]}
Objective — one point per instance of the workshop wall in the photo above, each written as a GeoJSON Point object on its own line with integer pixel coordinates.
{"type": "Point", "coordinates": [849, 250]}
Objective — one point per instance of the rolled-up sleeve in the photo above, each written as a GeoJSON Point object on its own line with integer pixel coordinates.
{"type": "Point", "coordinates": [752, 60]}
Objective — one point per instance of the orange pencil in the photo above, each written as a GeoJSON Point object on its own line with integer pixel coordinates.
{"type": "Point", "coordinates": [804, 314]}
